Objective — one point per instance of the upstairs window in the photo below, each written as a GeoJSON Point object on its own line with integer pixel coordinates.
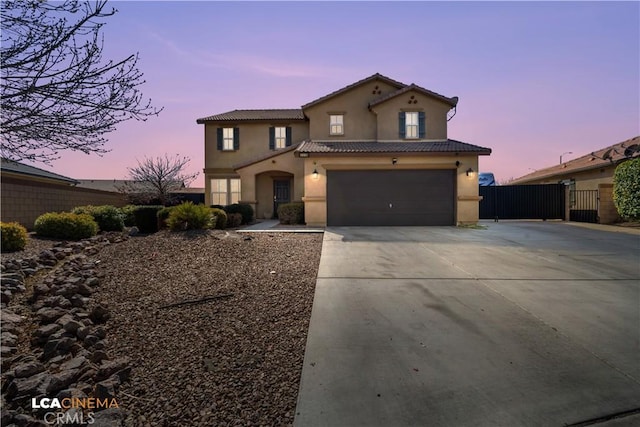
{"type": "Point", "coordinates": [336, 124]}
{"type": "Point", "coordinates": [228, 139]}
{"type": "Point", "coordinates": [411, 124]}
{"type": "Point", "coordinates": [279, 137]}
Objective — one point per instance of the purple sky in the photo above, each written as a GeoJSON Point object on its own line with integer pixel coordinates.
{"type": "Point", "coordinates": [534, 80]}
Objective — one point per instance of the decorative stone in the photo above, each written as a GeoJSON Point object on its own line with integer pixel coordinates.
{"type": "Point", "coordinates": [99, 314]}
{"type": "Point", "coordinates": [49, 315]}
{"type": "Point", "coordinates": [28, 369]}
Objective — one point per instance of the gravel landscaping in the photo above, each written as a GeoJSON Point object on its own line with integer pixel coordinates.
{"type": "Point", "coordinates": [212, 323]}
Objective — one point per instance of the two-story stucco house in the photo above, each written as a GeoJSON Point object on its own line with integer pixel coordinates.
{"type": "Point", "coordinates": [375, 152]}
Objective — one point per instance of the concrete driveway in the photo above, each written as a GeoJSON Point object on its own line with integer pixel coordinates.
{"type": "Point", "coordinates": [520, 324]}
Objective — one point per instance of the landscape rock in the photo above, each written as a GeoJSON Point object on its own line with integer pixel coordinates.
{"type": "Point", "coordinates": [99, 314]}
{"type": "Point", "coordinates": [28, 369]}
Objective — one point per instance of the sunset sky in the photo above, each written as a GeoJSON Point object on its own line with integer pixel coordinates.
{"type": "Point", "coordinates": [535, 79]}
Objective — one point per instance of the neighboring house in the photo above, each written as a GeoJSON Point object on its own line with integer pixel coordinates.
{"type": "Point", "coordinates": [139, 191]}
{"type": "Point", "coordinates": [375, 152]}
{"type": "Point", "coordinates": [28, 192]}
{"type": "Point", "coordinates": [589, 177]}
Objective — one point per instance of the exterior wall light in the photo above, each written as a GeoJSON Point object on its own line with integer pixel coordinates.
{"type": "Point", "coordinates": [314, 174]}
{"type": "Point", "coordinates": [470, 172]}
{"type": "Point", "coordinates": [394, 160]}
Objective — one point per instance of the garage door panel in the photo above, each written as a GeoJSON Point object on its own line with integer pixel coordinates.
{"type": "Point", "coordinates": [398, 197]}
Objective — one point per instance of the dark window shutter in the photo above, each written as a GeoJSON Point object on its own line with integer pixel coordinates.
{"type": "Point", "coordinates": [288, 143]}
{"type": "Point", "coordinates": [219, 138]}
{"type": "Point", "coordinates": [401, 124]}
{"type": "Point", "coordinates": [236, 138]}
{"type": "Point", "coordinates": [421, 125]}
{"type": "Point", "coordinates": [272, 138]}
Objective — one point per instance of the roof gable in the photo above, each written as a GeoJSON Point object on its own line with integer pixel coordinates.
{"type": "Point", "coordinates": [415, 88]}
{"type": "Point", "coordinates": [374, 77]}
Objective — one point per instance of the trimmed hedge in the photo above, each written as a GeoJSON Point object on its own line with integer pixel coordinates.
{"type": "Point", "coordinates": [291, 213]}
{"type": "Point", "coordinates": [13, 236]}
{"type": "Point", "coordinates": [188, 216]}
{"type": "Point", "coordinates": [128, 216]}
{"type": "Point", "coordinates": [234, 220]}
{"type": "Point", "coordinates": [243, 209]}
{"type": "Point", "coordinates": [163, 215]}
{"type": "Point", "coordinates": [221, 218]}
{"type": "Point", "coordinates": [147, 218]}
{"type": "Point", "coordinates": [626, 189]}
{"type": "Point", "coordinates": [109, 218]}
{"type": "Point", "coordinates": [66, 225]}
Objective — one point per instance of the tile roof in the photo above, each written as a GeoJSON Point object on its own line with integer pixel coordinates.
{"type": "Point", "coordinates": [443, 146]}
{"type": "Point", "coordinates": [265, 156]}
{"type": "Point", "coordinates": [376, 76]}
{"type": "Point", "coordinates": [606, 156]}
{"type": "Point", "coordinates": [255, 115]}
{"type": "Point", "coordinates": [22, 169]}
{"type": "Point", "coordinates": [451, 101]}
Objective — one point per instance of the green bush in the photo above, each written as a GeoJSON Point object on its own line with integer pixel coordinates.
{"type": "Point", "coordinates": [128, 216]}
{"type": "Point", "coordinates": [13, 236]}
{"type": "Point", "coordinates": [146, 218]}
{"type": "Point", "coordinates": [221, 218]}
{"type": "Point", "coordinates": [66, 225]}
{"type": "Point", "coordinates": [243, 209]}
{"type": "Point", "coordinates": [163, 215]}
{"type": "Point", "coordinates": [109, 218]}
{"type": "Point", "coordinates": [626, 189]}
{"type": "Point", "coordinates": [234, 220]}
{"type": "Point", "coordinates": [291, 213]}
{"type": "Point", "coordinates": [188, 216]}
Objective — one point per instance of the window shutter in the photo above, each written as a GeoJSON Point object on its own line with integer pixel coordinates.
{"type": "Point", "coordinates": [421, 125]}
{"type": "Point", "coordinates": [236, 138]}
{"type": "Point", "coordinates": [288, 143]}
{"type": "Point", "coordinates": [219, 138]}
{"type": "Point", "coordinates": [401, 124]}
{"type": "Point", "coordinates": [272, 138]}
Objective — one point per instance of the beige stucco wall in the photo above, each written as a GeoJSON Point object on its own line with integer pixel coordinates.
{"type": "Point", "coordinates": [585, 180]}
{"type": "Point", "coordinates": [315, 195]}
{"type": "Point", "coordinates": [607, 212]}
{"type": "Point", "coordinates": [257, 181]}
{"type": "Point", "coordinates": [359, 122]}
{"type": "Point", "coordinates": [23, 200]}
{"type": "Point", "coordinates": [435, 115]}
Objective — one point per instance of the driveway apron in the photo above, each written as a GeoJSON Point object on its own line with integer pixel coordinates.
{"type": "Point", "coordinates": [519, 324]}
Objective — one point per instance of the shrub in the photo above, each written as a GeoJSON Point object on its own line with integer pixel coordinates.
{"type": "Point", "coordinates": [626, 189]}
{"type": "Point", "coordinates": [163, 215]}
{"type": "Point", "coordinates": [66, 225]}
{"type": "Point", "coordinates": [147, 218]}
{"type": "Point", "coordinates": [291, 213]}
{"type": "Point", "coordinates": [128, 216]}
{"type": "Point", "coordinates": [234, 220]}
{"type": "Point", "coordinates": [188, 216]}
{"type": "Point", "coordinates": [243, 209]}
{"type": "Point", "coordinates": [109, 218]}
{"type": "Point", "coordinates": [221, 218]}
{"type": "Point", "coordinates": [13, 236]}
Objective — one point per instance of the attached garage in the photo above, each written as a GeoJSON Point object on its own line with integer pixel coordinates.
{"type": "Point", "coordinates": [391, 197]}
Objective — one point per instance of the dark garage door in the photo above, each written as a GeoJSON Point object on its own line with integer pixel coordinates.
{"type": "Point", "coordinates": [390, 197]}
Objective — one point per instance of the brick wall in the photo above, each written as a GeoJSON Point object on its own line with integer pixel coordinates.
{"type": "Point", "coordinates": [607, 211]}
{"type": "Point", "coordinates": [23, 200]}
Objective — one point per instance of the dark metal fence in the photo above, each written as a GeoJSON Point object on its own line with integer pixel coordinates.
{"type": "Point", "coordinates": [540, 201]}
{"type": "Point", "coordinates": [583, 206]}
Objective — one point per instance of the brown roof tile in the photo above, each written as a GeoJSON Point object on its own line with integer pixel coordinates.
{"type": "Point", "coordinates": [255, 115]}
{"type": "Point", "coordinates": [451, 101]}
{"type": "Point", "coordinates": [265, 156]}
{"type": "Point", "coordinates": [444, 146]}
{"type": "Point", "coordinates": [607, 156]}
{"type": "Point", "coordinates": [376, 76]}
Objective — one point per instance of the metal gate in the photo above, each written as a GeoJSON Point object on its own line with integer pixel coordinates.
{"type": "Point", "coordinates": [583, 205]}
{"type": "Point", "coordinates": [539, 201]}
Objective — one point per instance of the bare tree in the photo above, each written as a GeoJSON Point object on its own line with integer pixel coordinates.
{"type": "Point", "coordinates": [57, 92]}
{"type": "Point", "coordinates": [156, 178]}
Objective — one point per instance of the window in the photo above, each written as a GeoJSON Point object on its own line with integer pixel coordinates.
{"type": "Point", "coordinates": [336, 124]}
{"type": "Point", "coordinates": [228, 139]}
{"type": "Point", "coordinates": [225, 191]}
{"type": "Point", "coordinates": [411, 125]}
{"type": "Point", "coordinates": [280, 137]}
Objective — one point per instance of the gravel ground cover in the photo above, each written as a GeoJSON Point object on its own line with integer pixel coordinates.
{"type": "Point", "coordinates": [232, 358]}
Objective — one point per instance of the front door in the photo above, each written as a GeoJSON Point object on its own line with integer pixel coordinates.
{"type": "Point", "coordinates": [281, 194]}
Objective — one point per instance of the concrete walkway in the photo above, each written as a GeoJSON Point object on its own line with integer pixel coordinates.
{"type": "Point", "coordinates": [521, 324]}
